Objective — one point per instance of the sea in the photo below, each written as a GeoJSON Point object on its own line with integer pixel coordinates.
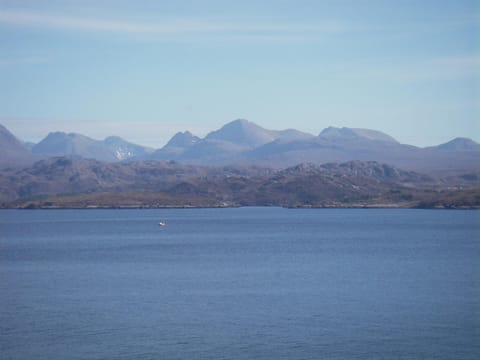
{"type": "Point", "coordinates": [240, 283]}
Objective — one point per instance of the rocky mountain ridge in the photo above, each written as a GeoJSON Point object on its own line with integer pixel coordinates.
{"type": "Point", "coordinates": [244, 142]}
{"type": "Point", "coordinates": [111, 149]}
{"type": "Point", "coordinates": [75, 182]}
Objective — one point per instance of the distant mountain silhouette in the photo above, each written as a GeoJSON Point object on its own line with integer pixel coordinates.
{"type": "Point", "coordinates": [182, 140]}
{"type": "Point", "coordinates": [124, 150]}
{"type": "Point", "coordinates": [243, 133]}
{"type": "Point", "coordinates": [177, 145]}
{"type": "Point", "coordinates": [229, 144]}
{"type": "Point", "coordinates": [248, 134]}
{"type": "Point", "coordinates": [459, 144]}
{"type": "Point", "coordinates": [111, 149]}
{"type": "Point", "coordinates": [242, 142]}
{"type": "Point", "coordinates": [350, 133]}
{"type": "Point", "coordinates": [13, 152]}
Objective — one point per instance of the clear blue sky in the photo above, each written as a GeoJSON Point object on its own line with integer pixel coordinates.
{"type": "Point", "coordinates": [146, 69]}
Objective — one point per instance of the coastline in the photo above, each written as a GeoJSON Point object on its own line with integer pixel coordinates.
{"type": "Point", "coordinates": [31, 206]}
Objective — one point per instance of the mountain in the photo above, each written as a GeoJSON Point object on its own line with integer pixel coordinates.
{"type": "Point", "coordinates": [246, 133]}
{"type": "Point", "coordinates": [243, 133]}
{"type": "Point", "coordinates": [13, 152]}
{"type": "Point", "coordinates": [246, 143]}
{"type": "Point", "coordinates": [345, 144]}
{"type": "Point", "coordinates": [350, 133]}
{"type": "Point", "coordinates": [60, 143]}
{"type": "Point", "coordinates": [229, 144]}
{"type": "Point", "coordinates": [177, 145]}
{"type": "Point", "coordinates": [459, 144]}
{"type": "Point", "coordinates": [111, 149]}
{"type": "Point", "coordinates": [336, 145]}
{"type": "Point", "coordinates": [124, 150]}
{"type": "Point", "coordinates": [182, 140]}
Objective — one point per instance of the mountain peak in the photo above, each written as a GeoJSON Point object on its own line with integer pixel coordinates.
{"type": "Point", "coordinates": [12, 150]}
{"type": "Point", "coordinates": [60, 143]}
{"type": "Point", "coordinates": [350, 133]}
{"type": "Point", "coordinates": [243, 132]}
{"type": "Point", "coordinates": [113, 148]}
{"type": "Point", "coordinates": [183, 139]}
{"type": "Point", "coordinates": [240, 122]}
{"type": "Point", "coordinates": [460, 144]}
{"type": "Point", "coordinates": [333, 131]}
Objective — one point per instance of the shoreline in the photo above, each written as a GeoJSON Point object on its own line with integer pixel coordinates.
{"type": "Point", "coordinates": [233, 206]}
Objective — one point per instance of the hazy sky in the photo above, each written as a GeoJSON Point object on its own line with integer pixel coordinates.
{"type": "Point", "coordinates": [146, 69]}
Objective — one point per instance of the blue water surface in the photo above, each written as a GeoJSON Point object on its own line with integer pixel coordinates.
{"type": "Point", "coordinates": [244, 283]}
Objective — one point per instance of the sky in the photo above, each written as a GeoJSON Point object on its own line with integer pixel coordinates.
{"type": "Point", "coordinates": [146, 69]}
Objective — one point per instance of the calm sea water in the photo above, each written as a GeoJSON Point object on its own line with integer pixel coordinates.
{"type": "Point", "coordinates": [247, 283]}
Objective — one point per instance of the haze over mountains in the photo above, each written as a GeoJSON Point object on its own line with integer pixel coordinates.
{"type": "Point", "coordinates": [244, 142]}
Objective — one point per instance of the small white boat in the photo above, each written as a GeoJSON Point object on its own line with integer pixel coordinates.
{"type": "Point", "coordinates": [162, 223]}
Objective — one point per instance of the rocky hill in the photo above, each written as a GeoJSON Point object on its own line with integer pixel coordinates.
{"type": "Point", "coordinates": [71, 182]}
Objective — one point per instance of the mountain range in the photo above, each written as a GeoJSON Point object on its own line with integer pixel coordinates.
{"type": "Point", "coordinates": [111, 149]}
{"type": "Point", "coordinates": [242, 142]}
